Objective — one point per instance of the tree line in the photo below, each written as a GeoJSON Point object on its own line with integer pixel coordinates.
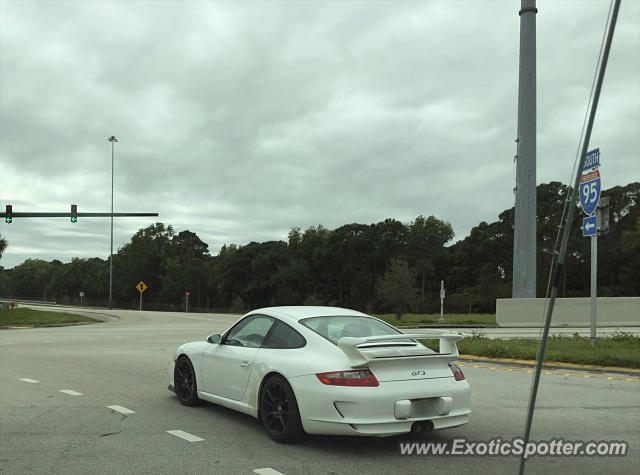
{"type": "Point", "coordinates": [352, 266]}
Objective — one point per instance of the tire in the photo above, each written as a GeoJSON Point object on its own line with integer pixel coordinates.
{"type": "Point", "coordinates": [279, 411]}
{"type": "Point", "coordinates": [184, 382]}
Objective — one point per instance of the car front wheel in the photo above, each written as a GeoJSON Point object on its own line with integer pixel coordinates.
{"type": "Point", "coordinates": [279, 412]}
{"type": "Point", "coordinates": [184, 382]}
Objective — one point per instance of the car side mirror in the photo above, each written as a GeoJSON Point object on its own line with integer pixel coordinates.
{"type": "Point", "coordinates": [214, 339]}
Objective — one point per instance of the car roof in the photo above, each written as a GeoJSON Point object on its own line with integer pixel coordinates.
{"type": "Point", "coordinates": [296, 313]}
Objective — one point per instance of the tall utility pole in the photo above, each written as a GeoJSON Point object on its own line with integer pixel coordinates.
{"type": "Point", "coordinates": [524, 236]}
{"type": "Point", "coordinates": [113, 140]}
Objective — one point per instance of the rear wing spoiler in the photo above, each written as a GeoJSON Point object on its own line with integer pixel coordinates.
{"type": "Point", "coordinates": [352, 346]}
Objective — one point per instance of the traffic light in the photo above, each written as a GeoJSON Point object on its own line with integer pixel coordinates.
{"type": "Point", "coordinates": [74, 213]}
{"type": "Point", "coordinates": [9, 214]}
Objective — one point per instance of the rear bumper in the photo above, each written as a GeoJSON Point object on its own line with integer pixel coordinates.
{"type": "Point", "coordinates": [371, 411]}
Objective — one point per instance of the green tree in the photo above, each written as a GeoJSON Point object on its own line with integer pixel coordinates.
{"type": "Point", "coordinates": [425, 248]}
{"type": "Point", "coordinates": [186, 269]}
{"type": "Point", "coordinates": [630, 272]}
{"type": "Point", "coordinates": [3, 246]}
{"type": "Point", "coordinates": [143, 258]}
{"type": "Point", "coordinates": [32, 279]}
{"type": "Point", "coordinates": [396, 287]}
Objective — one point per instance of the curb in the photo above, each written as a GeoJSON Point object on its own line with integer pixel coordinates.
{"type": "Point", "coordinates": [51, 325]}
{"type": "Point", "coordinates": [551, 364]}
{"type": "Point", "coordinates": [104, 317]}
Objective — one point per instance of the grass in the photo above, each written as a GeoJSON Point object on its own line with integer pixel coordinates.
{"type": "Point", "coordinates": [39, 318]}
{"type": "Point", "coordinates": [431, 319]}
{"type": "Point", "coordinates": [621, 349]}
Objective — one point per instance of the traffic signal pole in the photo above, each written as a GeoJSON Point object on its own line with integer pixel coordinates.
{"type": "Point", "coordinates": [9, 214]}
{"type": "Point", "coordinates": [113, 140]}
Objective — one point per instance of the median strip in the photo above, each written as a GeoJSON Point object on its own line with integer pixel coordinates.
{"type": "Point", "coordinates": [185, 435]}
{"type": "Point", "coordinates": [619, 350]}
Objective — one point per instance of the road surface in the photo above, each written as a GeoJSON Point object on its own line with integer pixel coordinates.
{"type": "Point", "coordinates": [56, 386]}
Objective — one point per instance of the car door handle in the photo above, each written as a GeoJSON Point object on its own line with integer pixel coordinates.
{"type": "Point", "coordinates": [245, 364]}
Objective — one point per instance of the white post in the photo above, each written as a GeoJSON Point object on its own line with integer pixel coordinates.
{"type": "Point", "coordinates": [141, 301]}
{"type": "Point", "coordinates": [594, 286]}
{"type": "Point", "coordinates": [186, 304]}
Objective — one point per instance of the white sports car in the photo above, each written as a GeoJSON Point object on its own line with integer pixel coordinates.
{"type": "Point", "coordinates": [325, 370]}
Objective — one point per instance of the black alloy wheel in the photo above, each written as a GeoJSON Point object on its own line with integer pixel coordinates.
{"type": "Point", "coordinates": [279, 410]}
{"type": "Point", "coordinates": [184, 382]}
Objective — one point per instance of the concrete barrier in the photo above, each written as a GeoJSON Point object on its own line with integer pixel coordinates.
{"type": "Point", "coordinates": [576, 312]}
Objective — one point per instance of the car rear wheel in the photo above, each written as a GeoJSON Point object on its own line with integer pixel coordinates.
{"type": "Point", "coordinates": [279, 410]}
{"type": "Point", "coordinates": [184, 382]}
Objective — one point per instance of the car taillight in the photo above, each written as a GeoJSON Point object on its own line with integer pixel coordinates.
{"type": "Point", "coordinates": [457, 372]}
{"type": "Point", "coordinates": [362, 377]}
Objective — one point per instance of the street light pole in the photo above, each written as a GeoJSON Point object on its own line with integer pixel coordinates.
{"type": "Point", "coordinates": [113, 140]}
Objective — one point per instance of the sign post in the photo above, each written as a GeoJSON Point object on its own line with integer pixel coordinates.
{"type": "Point", "coordinates": [141, 286]}
{"type": "Point", "coordinates": [81, 295]}
{"type": "Point", "coordinates": [441, 302]}
{"type": "Point", "coordinates": [590, 186]}
{"type": "Point", "coordinates": [186, 303]}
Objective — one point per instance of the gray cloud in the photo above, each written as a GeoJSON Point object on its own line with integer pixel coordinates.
{"type": "Point", "coordinates": [240, 120]}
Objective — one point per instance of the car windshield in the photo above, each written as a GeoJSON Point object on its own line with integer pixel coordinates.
{"type": "Point", "coordinates": [334, 328]}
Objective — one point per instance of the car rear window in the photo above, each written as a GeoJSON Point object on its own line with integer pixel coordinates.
{"type": "Point", "coordinates": [334, 328]}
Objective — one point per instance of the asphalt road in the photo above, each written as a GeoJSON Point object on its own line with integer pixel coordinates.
{"type": "Point", "coordinates": [123, 363]}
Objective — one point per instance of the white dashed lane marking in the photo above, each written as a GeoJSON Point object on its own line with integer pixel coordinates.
{"type": "Point", "coordinates": [267, 471]}
{"type": "Point", "coordinates": [121, 409]}
{"type": "Point", "coordinates": [185, 435]}
{"type": "Point", "coordinates": [28, 380]}
{"type": "Point", "coordinates": [71, 392]}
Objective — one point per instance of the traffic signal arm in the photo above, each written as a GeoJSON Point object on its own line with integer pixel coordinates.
{"type": "Point", "coordinates": [80, 215]}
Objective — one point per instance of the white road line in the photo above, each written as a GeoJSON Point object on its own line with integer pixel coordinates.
{"type": "Point", "coordinates": [49, 341]}
{"type": "Point", "coordinates": [71, 392]}
{"type": "Point", "coordinates": [185, 435]}
{"type": "Point", "coordinates": [28, 380]}
{"type": "Point", "coordinates": [267, 471]}
{"type": "Point", "coordinates": [121, 409]}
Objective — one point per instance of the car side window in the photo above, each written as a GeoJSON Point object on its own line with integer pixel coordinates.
{"type": "Point", "coordinates": [284, 337]}
{"type": "Point", "coordinates": [250, 332]}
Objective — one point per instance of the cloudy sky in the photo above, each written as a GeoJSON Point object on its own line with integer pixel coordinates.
{"type": "Point", "coordinates": [239, 120]}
